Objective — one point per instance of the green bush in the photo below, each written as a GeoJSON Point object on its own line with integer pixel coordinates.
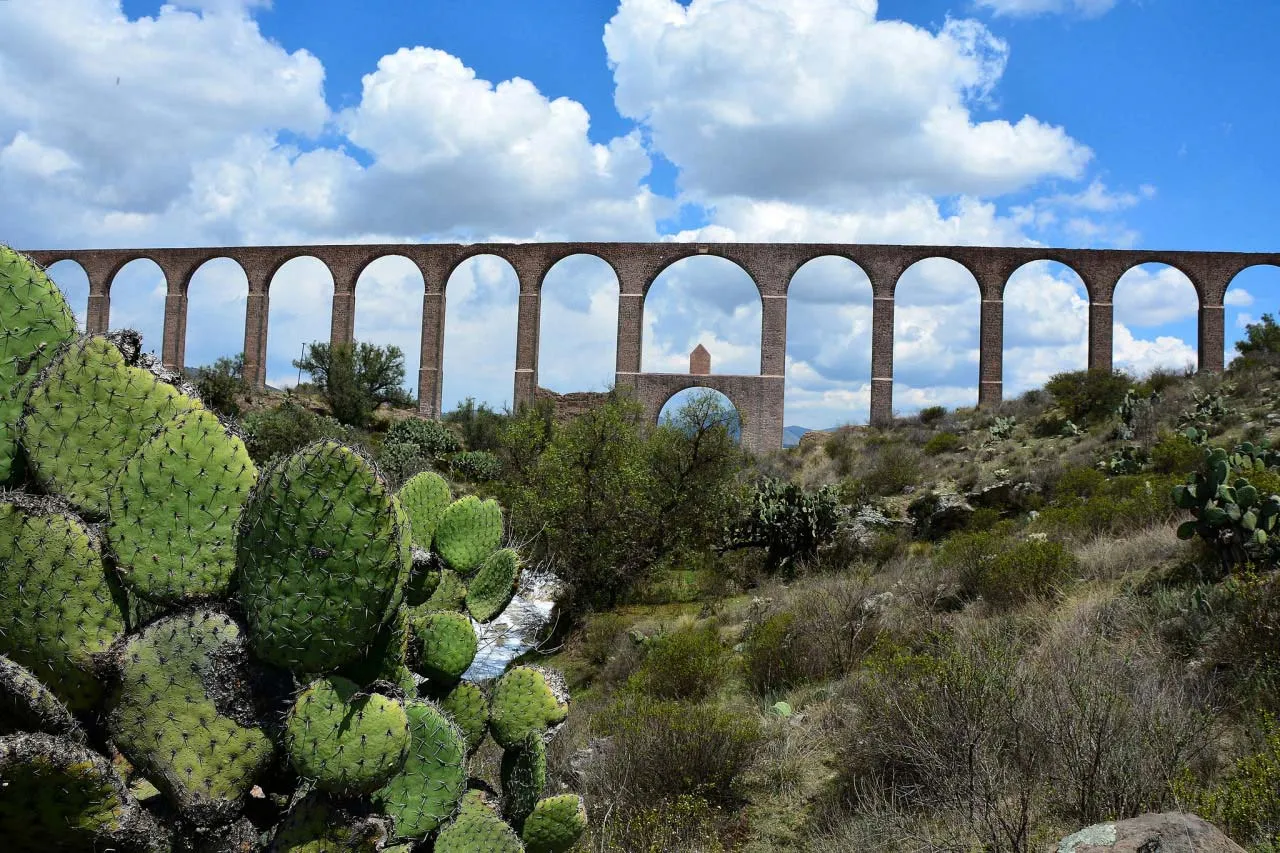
{"type": "Point", "coordinates": [1088, 396]}
{"type": "Point", "coordinates": [1245, 802]}
{"type": "Point", "coordinates": [599, 636]}
{"type": "Point", "coordinates": [287, 428]}
{"type": "Point", "coordinates": [789, 522]}
{"type": "Point", "coordinates": [399, 460]}
{"type": "Point", "coordinates": [686, 664]}
{"type": "Point", "coordinates": [893, 466]}
{"type": "Point", "coordinates": [1119, 505]}
{"type": "Point", "coordinates": [1174, 453]}
{"type": "Point", "coordinates": [943, 442]}
{"type": "Point", "coordinates": [967, 558]}
{"type": "Point", "coordinates": [1078, 482]}
{"type": "Point", "coordinates": [221, 385]}
{"type": "Point", "coordinates": [932, 414]}
{"type": "Point", "coordinates": [431, 438]}
{"type": "Point", "coordinates": [480, 426]}
{"type": "Point", "coordinates": [475, 466]}
{"type": "Point", "coordinates": [355, 378]}
{"type": "Point", "coordinates": [1028, 569]}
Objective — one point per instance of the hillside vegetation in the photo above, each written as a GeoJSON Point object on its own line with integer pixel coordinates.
{"type": "Point", "coordinates": [971, 630]}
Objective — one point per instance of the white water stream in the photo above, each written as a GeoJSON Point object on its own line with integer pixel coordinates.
{"type": "Point", "coordinates": [512, 633]}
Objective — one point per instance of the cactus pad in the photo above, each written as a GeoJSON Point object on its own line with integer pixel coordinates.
{"type": "Point", "coordinates": [60, 796]}
{"type": "Point", "coordinates": [524, 775]}
{"type": "Point", "coordinates": [427, 792]}
{"type": "Point", "coordinates": [555, 825]}
{"type": "Point", "coordinates": [468, 707]}
{"type": "Point", "coordinates": [57, 605]}
{"type": "Point", "coordinates": [425, 498]}
{"type": "Point", "coordinates": [88, 413]}
{"type": "Point", "coordinates": [424, 576]}
{"type": "Point", "coordinates": [526, 700]}
{"type": "Point", "coordinates": [442, 644]}
{"type": "Point", "coordinates": [450, 593]}
{"type": "Point", "coordinates": [316, 825]}
{"type": "Point", "coordinates": [323, 554]}
{"type": "Point", "coordinates": [494, 585]}
{"type": "Point", "coordinates": [182, 714]}
{"type": "Point", "coordinates": [385, 660]}
{"type": "Point", "coordinates": [34, 322]}
{"type": "Point", "coordinates": [347, 741]}
{"type": "Point", "coordinates": [26, 705]}
{"type": "Point", "coordinates": [478, 829]}
{"type": "Point", "coordinates": [174, 507]}
{"type": "Point", "coordinates": [469, 530]}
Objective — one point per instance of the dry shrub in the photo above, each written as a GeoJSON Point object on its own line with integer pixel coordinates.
{"type": "Point", "coordinates": [819, 633]}
{"type": "Point", "coordinates": [1107, 557]}
{"type": "Point", "coordinates": [601, 636]}
{"type": "Point", "coordinates": [1015, 733]}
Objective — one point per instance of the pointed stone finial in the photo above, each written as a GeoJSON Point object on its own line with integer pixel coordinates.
{"type": "Point", "coordinates": [699, 361]}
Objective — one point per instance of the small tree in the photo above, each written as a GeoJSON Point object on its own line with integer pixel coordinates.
{"type": "Point", "coordinates": [479, 425]}
{"type": "Point", "coordinates": [221, 384]}
{"type": "Point", "coordinates": [1261, 338]}
{"type": "Point", "coordinates": [356, 378]}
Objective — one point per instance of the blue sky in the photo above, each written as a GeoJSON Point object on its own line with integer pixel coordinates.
{"type": "Point", "coordinates": [1107, 123]}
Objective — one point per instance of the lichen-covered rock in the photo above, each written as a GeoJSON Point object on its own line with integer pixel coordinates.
{"type": "Point", "coordinates": [87, 414]}
{"type": "Point", "coordinates": [174, 507]}
{"type": "Point", "coordinates": [442, 644]}
{"type": "Point", "coordinates": [494, 585]}
{"type": "Point", "coordinates": [58, 606]}
{"type": "Point", "coordinates": [323, 555]}
{"type": "Point", "coordinates": [26, 705]}
{"type": "Point", "coordinates": [1169, 832]}
{"type": "Point", "coordinates": [183, 714]}
{"type": "Point", "coordinates": [555, 825]}
{"type": "Point", "coordinates": [526, 700]}
{"type": "Point", "coordinates": [347, 741]}
{"type": "Point", "coordinates": [470, 529]}
{"type": "Point", "coordinates": [35, 321]}
{"type": "Point", "coordinates": [60, 796]}
{"type": "Point", "coordinates": [428, 790]}
{"type": "Point", "coordinates": [478, 829]}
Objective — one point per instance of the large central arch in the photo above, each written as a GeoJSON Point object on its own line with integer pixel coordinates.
{"type": "Point", "coordinates": [757, 399]}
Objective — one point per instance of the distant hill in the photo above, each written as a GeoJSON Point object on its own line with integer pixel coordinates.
{"type": "Point", "coordinates": [791, 435]}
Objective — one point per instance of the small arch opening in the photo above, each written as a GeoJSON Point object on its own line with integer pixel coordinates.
{"type": "Point", "coordinates": [1156, 311]}
{"type": "Point", "coordinates": [301, 301]}
{"type": "Point", "coordinates": [137, 302]}
{"type": "Point", "coordinates": [482, 299]}
{"type": "Point", "coordinates": [936, 317]}
{"type": "Point", "coordinates": [698, 409]}
{"type": "Point", "coordinates": [578, 344]}
{"type": "Point", "coordinates": [217, 297]}
{"type": "Point", "coordinates": [388, 311]}
{"type": "Point", "coordinates": [1046, 325]}
{"type": "Point", "coordinates": [704, 300]}
{"type": "Point", "coordinates": [1254, 292]}
{"type": "Point", "coordinates": [828, 374]}
{"type": "Point", "coordinates": [73, 281]}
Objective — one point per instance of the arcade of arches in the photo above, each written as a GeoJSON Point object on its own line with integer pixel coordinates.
{"type": "Point", "coordinates": [758, 397]}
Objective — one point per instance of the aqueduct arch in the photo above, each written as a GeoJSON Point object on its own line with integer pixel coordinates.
{"type": "Point", "coordinates": [770, 265]}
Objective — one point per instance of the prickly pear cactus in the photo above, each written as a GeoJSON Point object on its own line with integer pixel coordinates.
{"type": "Point", "coordinates": [466, 705]}
{"type": "Point", "coordinates": [442, 644]}
{"type": "Point", "coordinates": [478, 829]}
{"type": "Point", "coordinates": [59, 610]}
{"type": "Point", "coordinates": [524, 775]}
{"type": "Point", "coordinates": [34, 322]}
{"type": "Point", "coordinates": [181, 714]}
{"type": "Point", "coordinates": [315, 824]}
{"type": "Point", "coordinates": [87, 414]}
{"type": "Point", "coordinates": [450, 593]}
{"type": "Point", "coordinates": [424, 498]}
{"type": "Point", "coordinates": [555, 825]}
{"type": "Point", "coordinates": [526, 700]}
{"type": "Point", "coordinates": [428, 789]}
{"type": "Point", "coordinates": [174, 508]}
{"type": "Point", "coordinates": [61, 796]}
{"type": "Point", "coordinates": [494, 585]}
{"type": "Point", "coordinates": [469, 530]}
{"type": "Point", "coordinates": [347, 741]}
{"type": "Point", "coordinates": [26, 705]}
{"type": "Point", "coordinates": [323, 555]}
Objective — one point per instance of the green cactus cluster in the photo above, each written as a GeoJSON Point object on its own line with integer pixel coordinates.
{"type": "Point", "coordinates": [1230, 515]}
{"type": "Point", "coordinates": [1208, 411]}
{"type": "Point", "coordinates": [199, 655]}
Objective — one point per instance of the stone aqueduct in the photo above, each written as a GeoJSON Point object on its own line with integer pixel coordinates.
{"type": "Point", "coordinates": [759, 398]}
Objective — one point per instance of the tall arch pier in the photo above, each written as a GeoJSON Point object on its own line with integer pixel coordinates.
{"type": "Point", "coordinates": [771, 267]}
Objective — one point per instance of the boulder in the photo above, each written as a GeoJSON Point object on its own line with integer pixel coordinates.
{"type": "Point", "coordinates": [939, 513]}
{"type": "Point", "coordinates": [1005, 496]}
{"type": "Point", "coordinates": [866, 525]}
{"type": "Point", "coordinates": [1170, 832]}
